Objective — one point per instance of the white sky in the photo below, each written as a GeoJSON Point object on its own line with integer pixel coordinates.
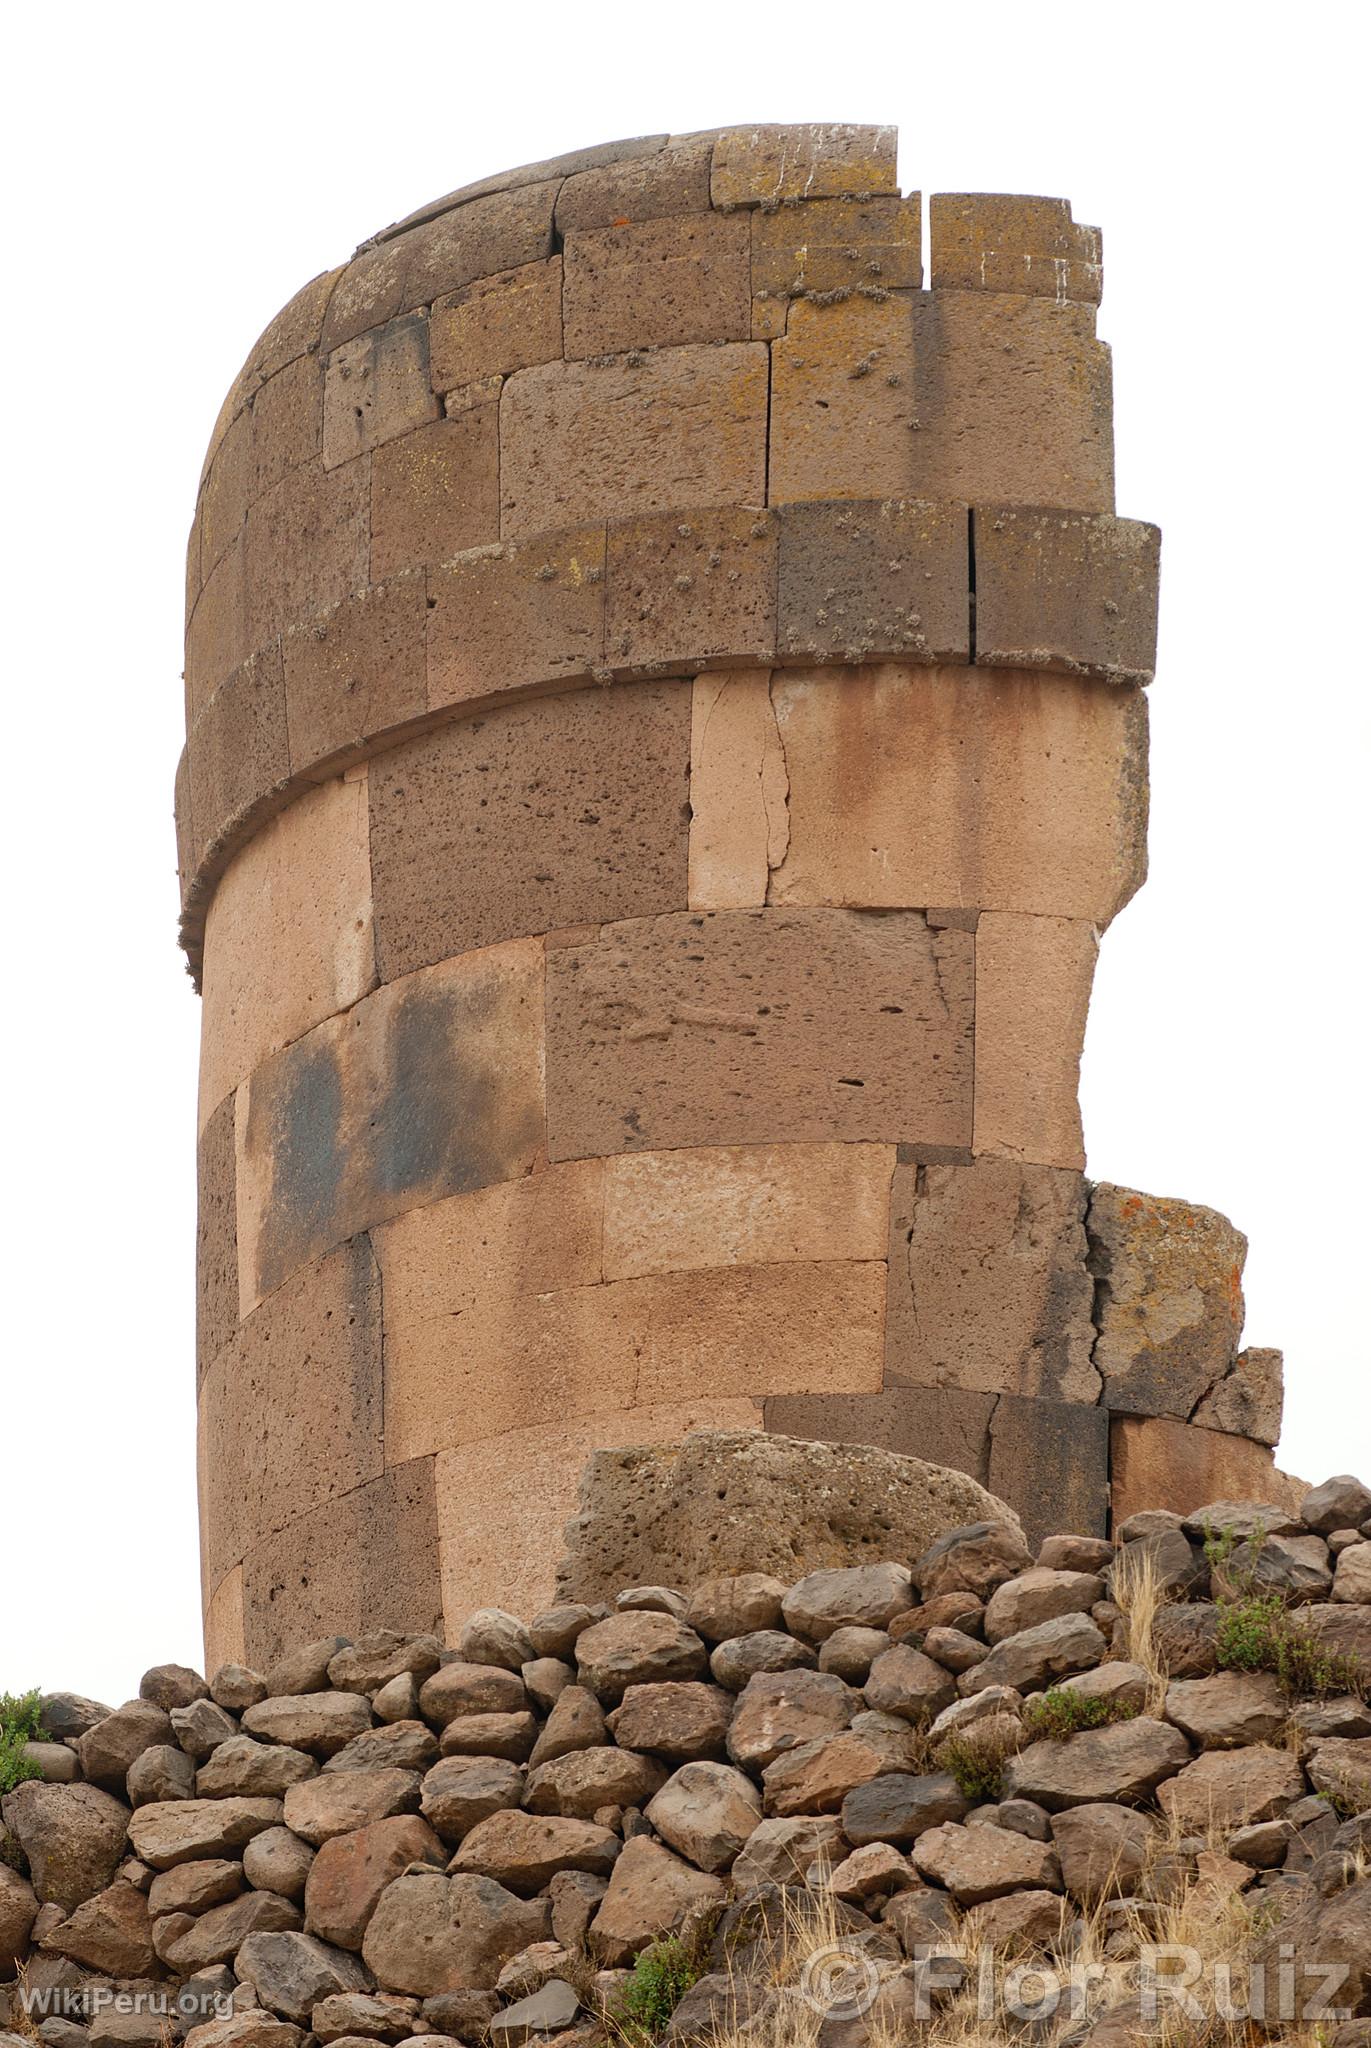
{"type": "Point", "coordinates": [173, 175]}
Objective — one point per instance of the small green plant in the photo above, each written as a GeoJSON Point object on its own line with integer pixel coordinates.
{"type": "Point", "coordinates": [1248, 1630]}
{"type": "Point", "coordinates": [1052, 1716]}
{"type": "Point", "coordinates": [19, 1723]}
{"type": "Point", "coordinates": [977, 1756]}
{"type": "Point", "coordinates": [1259, 1633]}
{"type": "Point", "coordinates": [660, 1979]}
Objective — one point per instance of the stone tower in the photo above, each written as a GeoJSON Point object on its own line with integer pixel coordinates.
{"type": "Point", "coordinates": [666, 736]}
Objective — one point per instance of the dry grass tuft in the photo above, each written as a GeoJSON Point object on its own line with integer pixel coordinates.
{"type": "Point", "coordinates": [1139, 1593]}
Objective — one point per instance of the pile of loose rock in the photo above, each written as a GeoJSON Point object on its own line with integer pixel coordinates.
{"type": "Point", "coordinates": [384, 1839]}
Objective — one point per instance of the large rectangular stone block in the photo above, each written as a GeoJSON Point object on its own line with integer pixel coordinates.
{"type": "Point", "coordinates": [836, 245]}
{"type": "Point", "coordinates": [1169, 1301]}
{"type": "Point", "coordinates": [1033, 977]}
{"type": "Point", "coordinates": [669, 181]}
{"type": "Point", "coordinates": [290, 1410]}
{"type": "Point", "coordinates": [923, 786]}
{"type": "Point", "coordinates": [288, 938]}
{"type": "Point", "coordinates": [497, 325]}
{"type": "Point", "coordinates": [989, 1287]}
{"type": "Point", "coordinates": [436, 492]}
{"type": "Point", "coordinates": [843, 405]}
{"type": "Point", "coordinates": [809, 160]}
{"type": "Point", "coordinates": [227, 494]}
{"type": "Point", "coordinates": [744, 1205]}
{"type": "Point", "coordinates": [377, 387]}
{"type": "Point", "coordinates": [216, 1239]}
{"type": "Point", "coordinates": [308, 545]}
{"type": "Point", "coordinates": [658, 284]}
{"type": "Point", "coordinates": [692, 589]}
{"type": "Point", "coordinates": [364, 1562]}
{"type": "Point", "coordinates": [582, 441]}
{"type": "Point", "coordinates": [566, 810]}
{"type": "Point", "coordinates": [357, 670]}
{"type": "Point", "coordinates": [503, 1504]}
{"type": "Point", "coordinates": [287, 422]}
{"type": "Point", "coordinates": [224, 1633]}
{"type": "Point", "coordinates": [745, 1027]}
{"type": "Point", "coordinates": [1014, 401]}
{"type": "Point", "coordinates": [887, 578]}
{"type": "Point", "coordinates": [1066, 590]}
{"type": "Point", "coordinates": [1157, 1461]}
{"type": "Point", "coordinates": [1006, 242]}
{"type": "Point", "coordinates": [522, 612]}
{"type": "Point", "coordinates": [738, 791]}
{"type": "Point", "coordinates": [217, 639]}
{"type": "Point", "coordinates": [239, 745]}
{"type": "Point", "coordinates": [1050, 1461]}
{"type": "Point", "coordinates": [943, 1425]}
{"type": "Point", "coordinates": [428, 1087]}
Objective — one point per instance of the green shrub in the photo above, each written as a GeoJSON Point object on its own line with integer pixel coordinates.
{"type": "Point", "coordinates": [976, 1758]}
{"type": "Point", "coordinates": [661, 1977]}
{"type": "Point", "coordinates": [1259, 1633]}
{"type": "Point", "coordinates": [19, 1723]}
{"type": "Point", "coordinates": [1054, 1715]}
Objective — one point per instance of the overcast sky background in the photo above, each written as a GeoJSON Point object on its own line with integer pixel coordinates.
{"type": "Point", "coordinates": [174, 175]}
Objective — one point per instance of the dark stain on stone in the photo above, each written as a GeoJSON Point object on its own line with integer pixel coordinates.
{"type": "Point", "coordinates": [305, 1117]}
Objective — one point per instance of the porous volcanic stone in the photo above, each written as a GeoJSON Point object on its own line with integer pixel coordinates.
{"type": "Point", "coordinates": [778, 1710]}
{"type": "Point", "coordinates": [293, 1972]}
{"type": "Point", "coordinates": [352, 1870]}
{"type": "Point", "coordinates": [522, 1851]}
{"type": "Point", "coordinates": [1116, 1765]}
{"type": "Point", "coordinates": [686, 1721]}
{"type": "Point", "coordinates": [706, 1811]}
{"type": "Point", "coordinates": [650, 1892]}
{"type": "Point", "coordinates": [637, 1648]}
{"type": "Point", "coordinates": [973, 1559]}
{"type": "Point", "coordinates": [898, 1808]}
{"type": "Point", "coordinates": [1103, 1849]}
{"type": "Point", "coordinates": [432, 1934]}
{"type": "Point", "coordinates": [72, 1835]}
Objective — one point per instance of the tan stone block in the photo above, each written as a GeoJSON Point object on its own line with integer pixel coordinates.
{"type": "Point", "coordinates": [705, 1029]}
{"type": "Point", "coordinates": [436, 492]}
{"type": "Point", "coordinates": [193, 568]}
{"type": "Point", "coordinates": [290, 1410]}
{"type": "Point", "coordinates": [744, 1205]}
{"type": "Point", "coordinates": [942, 1425]}
{"type": "Point", "coordinates": [1248, 1401]}
{"type": "Point", "coordinates": [834, 245]}
{"type": "Point", "coordinates": [1157, 1462]}
{"type": "Point", "coordinates": [288, 938]}
{"type": "Point", "coordinates": [924, 786]}
{"type": "Point", "coordinates": [810, 160]}
{"type": "Point", "coordinates": [843, 406]}
{"type": "Point", "coordinates": [376, 387]}
{"type": "Point", "coordinates": [584, 441]}
{"type": "Point", "coordinates": [356, 671]}
{"type": "Point", "coordinates": [425, 1088]}
{"type": "Point", "coordinates": [287, 422]}
{"type": "Point", "coordinates": [496, 325]}
{"type": "Point", "coordinates": [567, 165]}
{"type": "Point", "coordinates": [216, 1241]}
{"type": "Point", "coordinates": [492, 232]}
{"type": "Point", "coordinates": [525, 1237]}
{"type": "Point", "coordinates": [670, 181]}
{"type": "Point", "coordinates": [530, 817]}
{"type": "Point", "coordinates": [295, 330]}
{"type": "Point", "coordinates": [658, 284]}
{"type": "Point", "coordinates": [692, 589]}
{"type": "Point", "coordinates": [238, 746]}
{"type": "Point", "coordinates": [521, 1359]}
{"type": "Point", "coordinates": [738, 791]}
{"type": "Point", "coordinates": [224, 1642]}
{"type": "Point", "coordinates": [217, 633]}
{"type": "Point", "coordinates": [1066, 590]}
{"type": "Point", "coordinates": [1050, 1461]}
{"type": "Point", "coordinates": [1005, 242]}
{"type": "Point", "coordinates": [524, 612]}
{"type": "Point", "coordinates": [1033, 977]}
{"type": "Point", "coordinates": [1014, 401]}
{"type": "Point", "coordinates": [989, 1288]}
{"type": "Point", "coordinates": [307, 545]}
{"type": "Point", "coordinates": [227, 493]}
{"type": "Point", "coordinates": [502, 1504]}
{"type": "Point", "coordinates": [889, 578]}
{"type": "Point", "coordinates": [1169, 1302]}
{"type": "Point", "coordinates": [367, 1561]}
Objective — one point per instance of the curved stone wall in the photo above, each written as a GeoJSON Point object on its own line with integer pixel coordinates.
{"type": "Point", "coordinates": [665, 737]}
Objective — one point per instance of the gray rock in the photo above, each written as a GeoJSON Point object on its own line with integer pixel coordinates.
{"type": "Point", "coordinates": [973, 1559]}
{"type": "Point", "coordinates": [1352, 1582]}
{"type": "Point", "coordinates": [492, 1636]}
{"type": "Point", "coordinates": [856, 1596]}
{"type": "Point", "coordinates": [195, 1887]}
{"type": "Point", "coordinates": [1040, 1656]}
{"type": "Point", "coordinates": [172, 1685]}
{"type": "Point", "coordinates": [954, 1650]}
{"type": "Point", "coordinates": [553, 1633]}
{"type": "Point", "coordinates": [461, 1790]}
{"type": "Point", "coordinates": [66, 1716]}
{"type": "Point", "coordinates": [54, 1762]}
{"type": "Point", "coordinates": [201, 1726]}
{"type": "Point", "coordinates": [781, 1852]}
{"type": "Point", "coordinates": [1103, 1850]}
{"type": "Point", "coordinates": [460, 1689]}
{"type": "Point", "coordinates": [217, 1935]}
{"type": "Point", "coordinates": [175, 1832]}
{"type": "Point", "coordinates": [1229, 1710]}
{"type": "Point", "coordinates": [235, 1688]}
{"type": "Point", "coordinates": [734, 1662]}
{"type": "Point", "coordinates": [72, 1835]}
{"type": "Point", "coordinates": [107, 1750]}
{"type": "Point", "coordinates": [160, 1773]}
{"type": "Point", "coordinates": [432, 1934]}
{"type": "Point", "coordinates": [18, 1911]}
{"type": "Point", "coordinates": [898, 1808]}
{"type": "Point", "coordinates": [1229, 1789]}
{"type": "Point", "coordinates": [1118, 1765]}
{"type": "Point", "coordinates": [376, 1659]}
{"type": "Point", "coordinates": [849, 1653]}
{"type": "Point", "coordinates": [306, 1669]}
{"type": "Point", "coordinates": [904, 1681]}
{"type": "Point", "coordinates": [1241, 1520]}
{"type": "Point", "coordinates": [1036, 1596]}
{"type": "Point", "coordinates": [294, 1972]}
{"type": "Point", "coordinates": [400, 1746]}
{"type": "Point", "coordinates": [637, 1648]}
{"type": "Point", "coordinates": [575, 1897]}
{"type": "Point", "coordinates": [652, 1600]}
{"type": "Point", "coordinates": [326, 1806]}
{"type": "Point", "coordinates": [1340, 1503]}
{"type": "Point", "coordinates": [361, 2012]}
{"type": "Point", "coordinates": [244, 1769]}
{"type": "Point", "coordinates": [548, 2011]}
{"type": "Point", "coordinates": [321, 1723]}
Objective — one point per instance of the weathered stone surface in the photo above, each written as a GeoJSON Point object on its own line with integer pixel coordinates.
{"type": "Point", "coordinates": [685, 1721]}
{"type": "Point", "coordinates": [1227, 1789]}
{"type": "Point", "coordinates": [1340, 1503]}
{"type": "Point", "coordinates": [201, 1726]}
{"type": "Point", "coordinates": [72, 1835]}
{"type": "Point", "coordinates": [177, 1832]}
{"type": "Point", "coordinates": [1037, 1656]}
{"type": "Point", "coordinates": [549, 2010]}
{"type": "Point", "coordinates": [459, 1689]}
{"type": "Point", "coordinates": [352, 1870]}
{"type": "Point", "coordinates": [855, 579]}
{"type": "Point", "coordinates": [303, 1667]}
{"type": "Point", "coordinates": [491, 1636]}
{"type": "Point", "coordinates": [1103, 1850]}
{"type": "Point", "coordinates": [461, 1790]}
{"type": "Point", "coordinates": [871, 1872]}
{"type": "Point", "coordinates": [111, 1933]}
{"type": "Point", "coordinates": [785, 1851]}
{"type": "Point", "coordinates": [432, 1934]}
{"type": "Point", "coordinates": [1352, 1579]}
{"type": "Point", "coordinates": [403, 1745]}
{"type": "Point", "coordinates": [524, 1850]}
{"type": "Point", "coordinates": [863, 1596]}
{"type": "Point", "coordinates": [193, 1887]}
{"type": "Point", "coordinates": [577, 1721]}
{"type": "Point", "coordinates": [637, 1649]}
{"type": "Point", "coordinates": [650, 1892]}
{"type": "Point", "coordinates": [1121, 1764]}
{"type": "Point", "coordinates": [318, 1723]}
{"type": "Point", "coordinates": [849, 1653]}
{"type": "Point", "coordinates": [217, 1935]}
{"type": "Point", "coordinates": [976, 1864]}
{"type": "Point", "coordinates": [579, 1784]}
{"type": "Point", "coordinates": [1066, 590]}
{"type": "Point", "coordinates": [737, 1604]}
{"type": "Point", "coordinates": [768, 1649]}
{"type": "Point", "coordinates": [779, 1710]}
{"type": "Point", "coordinates": [499, 1735]}
{"type": "Point", "coordinates": [1314, 1942]}
{"type": "Point", "coordinates": [278, 1861]}
{"type": "Point", "coordinates": [1169, 1299]}
{"type": "Point", "coordinates": [899, 1808]}
{"type": "Point", "coordinates": [242, 1768]}
{"type": "Point", "coordinates": [159, 1773]}
{"type": "Point", "coordinates": [971, 1559]}
{"type": "Point", "coordinates": [707, 1811]}
{"type": "Point", "coordinates": [658, 284]}
{"type": "Point", "coordinates": [375, 1659]}
{"type": "Point", "coordinates": [251, 2029]}
{"type": "Point", "coordinates": [107, 1750]}
{"type": "Point", "coordinates": [172, 1685]}
{"type": "Point", "coordinates": [1341, 1769]}
{"type": "Point", "coordinates": [816, 1777]}
{"type": "Point", "coordinates": [1231, 1710]}
{"type": "Point", "coordinates": [338, 1804]}
{"type": "Point", "coordinates": [904, 1681]}
{"type": "Point", "coordinates": [18, 1911]}
{"type": "Point", "coordinates": [360, 2012]}
{"type": "Point", "coordinates": [1036, 1596]}
{"type": "Point", "coordinates": [293, 1972]}
{"type": "Point", "coordinates": [1248, 1400]}
{"type": "Point", "coordinates": [786, 1508]}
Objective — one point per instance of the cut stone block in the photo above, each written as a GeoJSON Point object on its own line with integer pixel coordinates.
{"type": "Point", "coordinates": [1004, 242]}
{"type": "Point", "coordinates": [657, 284]}
{"type": "Point", "coordinates": [738, 791]}
{"type": "Point", "coordinates": [1033, 977]}
{"type": "Point", "coordinates": [436, 492]}
{"type": "Point", "coordinates": [1065, 590]}
{"type": "Point", "coordinates": [497, 325]}
{"type": "Point", "coordinates": [1051, 1460]}
{"type": "Point", "coordinates": [859, 578]}
{"type": "Point", "coordinates": [357, 671]}
{"type": "Point", "coordinates": [1169, 1302]}
{"type": "Point", "coordinates": [502, 618]}
{"type": "Point", "coordinates": [814, 160]}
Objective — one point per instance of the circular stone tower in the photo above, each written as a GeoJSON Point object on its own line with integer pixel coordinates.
{"type": "Point", "coordinates": [666, 736]}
